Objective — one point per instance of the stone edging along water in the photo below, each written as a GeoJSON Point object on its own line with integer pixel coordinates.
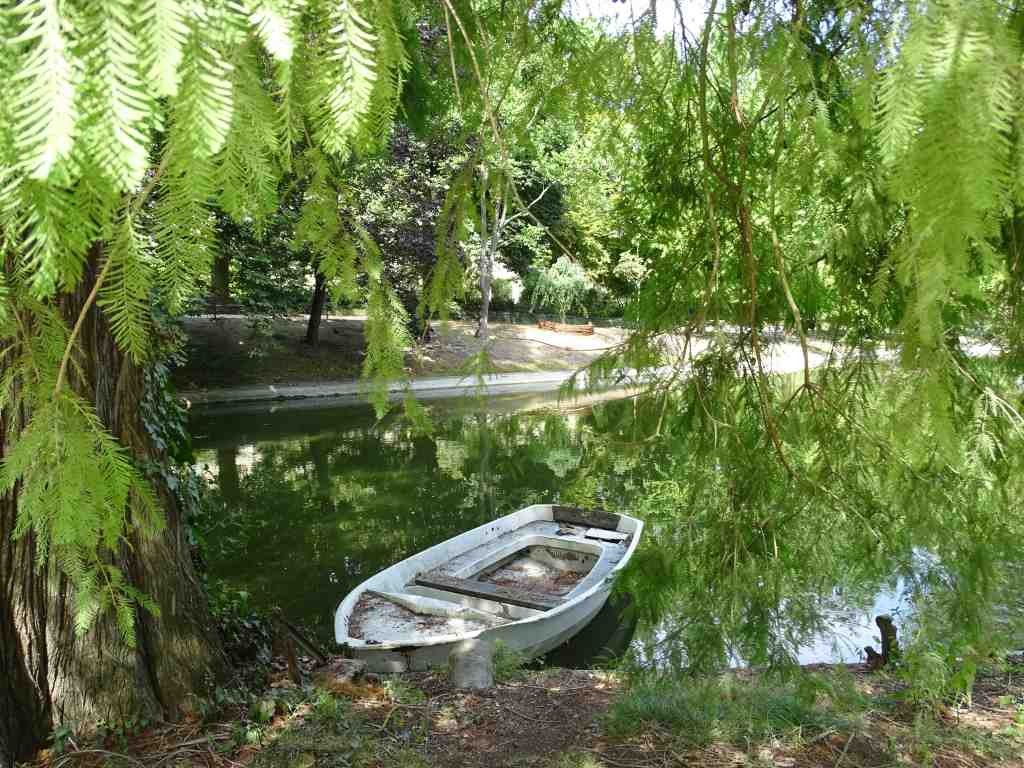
{"type": "Point", "coordinates": [451, 386]}
{"type": "Point", "coordinates": [436, 386]}
{"type": "Point", "coordinates": [786, 359]}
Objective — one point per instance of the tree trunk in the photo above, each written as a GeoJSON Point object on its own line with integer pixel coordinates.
{"type": "Point", "coordinates": [316, 310]}
{"type": "Point", "coordinates": [49, 676]}
{"type": "Point", "coordinates": [486, 269]}
{"type": "Point", "coordinates": [220, 287]}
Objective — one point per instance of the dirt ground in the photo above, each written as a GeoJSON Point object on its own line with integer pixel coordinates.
{"type": "Point", "coordinates": [512, 348]}
{"type": "Point", "coordinates": [229, 350]}
{"type": "Point", "coordinates": [518, 723]}
{"type": "Point", "coordinates": [557, 718]}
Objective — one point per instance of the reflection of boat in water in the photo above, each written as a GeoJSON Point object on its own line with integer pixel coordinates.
{"type": "Point", "coordinates": [605, 639]}
{"type": "Point", "coordinates": [532, 579]}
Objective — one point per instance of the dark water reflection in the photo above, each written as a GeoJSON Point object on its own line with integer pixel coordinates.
{"type": "Point", "coordinates": [307, 501]}
{"type": "Point", "coordinates": [311, 501]}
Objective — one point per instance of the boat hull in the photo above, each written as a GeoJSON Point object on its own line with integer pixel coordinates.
{"type": "Point", "coordinates": [447, 577]}
{"type": "Point", "coordinates": [528, 640]}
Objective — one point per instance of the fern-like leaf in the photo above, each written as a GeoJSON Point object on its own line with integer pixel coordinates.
{"type": "Point", "coordinates": [116, 105]}
{"type": "Point", "coordinates": [351, 74]}
{"type": "Point", "coordinates": [164, 23]}
{"type": "Point", "coordinates": [125, 296]}
{"type": "Point", "coordinates": [273, 22]}
{"type": "Point", "coordinates": [44, 107]}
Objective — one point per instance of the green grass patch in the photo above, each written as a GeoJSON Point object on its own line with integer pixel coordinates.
{"type": "Point", "coordinates": [702, 711]}
{"type": "Point", "coordinates": [401, 692]}
{"type": "Point", "coordinates": [509, 665]}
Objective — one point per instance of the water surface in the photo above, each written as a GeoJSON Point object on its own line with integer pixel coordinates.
{"type": "Point", "coordinates": [310, 499]}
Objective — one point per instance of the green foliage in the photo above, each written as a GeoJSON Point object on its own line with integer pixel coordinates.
{"type": "Point", "coordinates": [329, 710]}
{"type": "Point", "coordinates": [387, 331]}
{"type": "Point", "coordinates": [508, 664]}
{"type": "Point", "coordinates": [247, 633]}
{"type": "Point", "coordinates": [402, 692]}
{"type": "Point", "coordinates": [447, 280]}
{"type": "Point", "coordinates": [43, 108]}
{"type": "Point", "coordinates": [950, 51]}
{"type": "Point", "coordinates": [125, 296]}
{"type": "Point", "coordinates": [81, 522]}
{"type": "Point", "coordinates": [788, 167]}
{"type": "Point", "coordinates": [267, 275]}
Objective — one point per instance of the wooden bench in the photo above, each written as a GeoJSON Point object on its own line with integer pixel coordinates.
{"type": "Point", "coordinates": [524, 598]}
{"type": "Point", "coordinates": [583, 330]}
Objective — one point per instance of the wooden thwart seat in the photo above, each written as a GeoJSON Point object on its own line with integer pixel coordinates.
{"type": "Point", "coordinates": [592, 518]}
{"type": "Point", "coordinates": [524, 598]}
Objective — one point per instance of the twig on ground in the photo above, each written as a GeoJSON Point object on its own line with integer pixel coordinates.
{"type": "Point", "coordinates": [71, 756]}
{"type": "Point", "coordinates": [843, 753]}
{"type": "Point", "coordinates": [520, 714]}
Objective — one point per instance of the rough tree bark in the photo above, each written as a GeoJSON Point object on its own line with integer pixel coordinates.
{"type": "Point", "coordinates": [316, 310]}
{"type": "Point", "coordinates": [48, 675]}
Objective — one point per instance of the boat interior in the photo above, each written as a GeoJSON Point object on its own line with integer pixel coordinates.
{"type": "Point", "coordinates": [519, 574]}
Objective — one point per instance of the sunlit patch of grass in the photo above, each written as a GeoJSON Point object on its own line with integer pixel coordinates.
{"type": "Point", "coordinates": [702, 711]}
{"type": "Point", "coordinates": [508, 664]}
{"type": "Point", "coordinates": [574, 760]}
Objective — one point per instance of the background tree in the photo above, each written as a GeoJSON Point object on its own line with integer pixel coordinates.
{"type": "Point", "coordinates": [561, 287]}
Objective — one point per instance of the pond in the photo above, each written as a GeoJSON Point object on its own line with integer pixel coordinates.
{"type": "Point", "coordinates": [306, 500]}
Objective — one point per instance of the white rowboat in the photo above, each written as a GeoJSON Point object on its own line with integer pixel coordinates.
{"type": "Point", "coordinates": [531, 579]}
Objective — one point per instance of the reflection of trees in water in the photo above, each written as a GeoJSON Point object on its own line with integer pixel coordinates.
{"type": "Point", "coordinates": [739, 561]}
{"type": "Point", "coordinates": [314, 516]}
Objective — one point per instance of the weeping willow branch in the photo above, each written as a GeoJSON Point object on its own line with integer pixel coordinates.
{"type": "Point", "coordinates": [709, 194]}
{"type": "Point", "coordinates": [797, 320]}
{"type": "Point", "coordinates": [779, 261]}
{"type": "Point", "coordinates": [451, 56]}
